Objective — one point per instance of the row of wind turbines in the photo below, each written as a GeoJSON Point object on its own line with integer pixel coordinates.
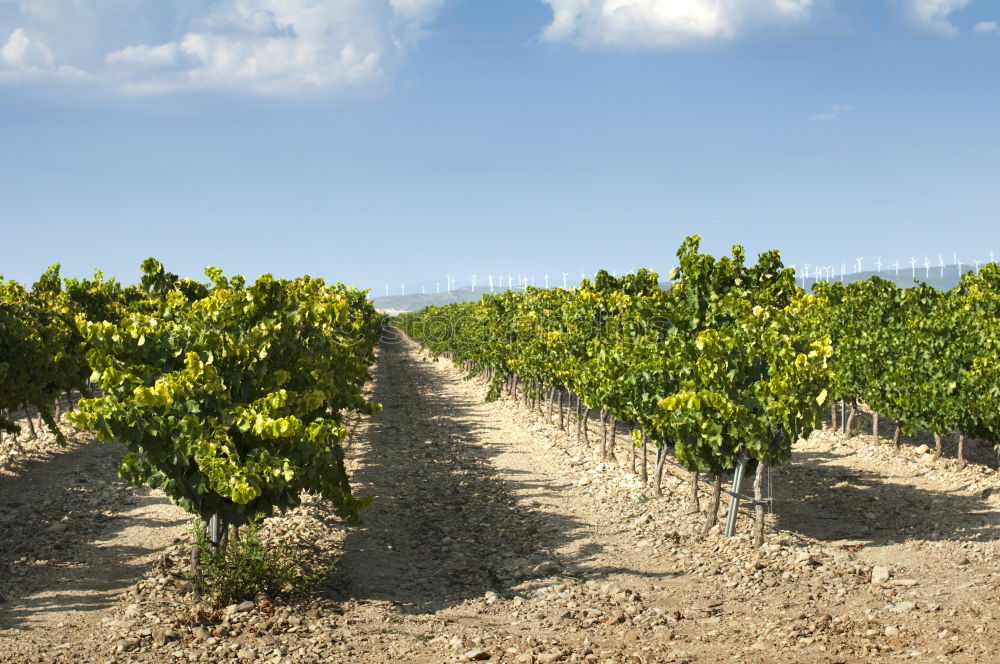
{"type": "Point", "coordinates": [808, 272]}
{"type": "Point", "coordinates": [829, 272]}
{"type": "Point", "coordinates": [497, 282]}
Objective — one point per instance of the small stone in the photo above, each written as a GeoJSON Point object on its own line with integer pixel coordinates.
{"type": "Point", "coordinates": [904, 583]}
{"type": "Point", "coordinates": [902, 607]}
{"type": "Point", "coordinates": [133, 611]}
{"type": "Point", "coordinates": [880, 574]}
{"type": "Point", "coordinates": [125, 645]}
{"type": "Point", "coordinates": [243, 607]}
{"type": "Point", "coordinates": [473, 655]}
{"type": "Point", "coordinates": [548, 657]}
{"type": "Point", "coordinates": [546, 567]}
{"type": "Point", "coordinates": [921, 449]}
{"type": "Point", "coordinates": [645, 518]}
{"type": "Point", "coordinates": [583, 481]}
{"type": "Point", "coordinates": [961, 560]}
{"type": "Point", "coordinates": [246, 655]}
{"type": "Point", "coordinates": [201, 634]}
{"type": "Point", "coordinates": [891, 630]}
{"type": "Point", "coordinates": [162, 636]}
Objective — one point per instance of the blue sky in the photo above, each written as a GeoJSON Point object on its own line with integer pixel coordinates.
{"type": "Point", "coordinates": [387, 141]}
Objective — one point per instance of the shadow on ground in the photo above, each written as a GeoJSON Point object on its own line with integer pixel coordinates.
{"type": "Point", "coordinates": [818, 497]}
{"type": "Point", "coordinates": [444, 527]}
{"type": "Point", "coordinates": [47, 569]}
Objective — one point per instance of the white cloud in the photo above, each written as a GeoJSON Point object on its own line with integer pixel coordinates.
{"type": "Point", "coordinates": [258, 46]}
{"type": "Point", "coordinates": [827, 116]}
{"type": "Point", "coordinates": [22, 57]}
{"type": "Point", "coordinates": [652, 24]}
{"type": "Point", "coordinates": [929, 16]}
{"type": "Point", "coordinates": [986, 26]}
{"type": "Point", "coordinates": [21, 52]}
{"type": "Point", "coordinates": [145, 56]}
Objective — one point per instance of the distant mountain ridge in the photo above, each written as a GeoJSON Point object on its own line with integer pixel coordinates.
{"type": "Point", "coordinates": [945, 279]}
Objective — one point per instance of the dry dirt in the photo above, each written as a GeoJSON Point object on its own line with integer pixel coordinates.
{"type": "Point", "coordinates": [496, 536]}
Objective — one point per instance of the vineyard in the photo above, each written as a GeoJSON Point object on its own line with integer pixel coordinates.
{"type": "Point", "coordinates": [734, 361]}
{"type": "Point", "coordinates": [516, 479]}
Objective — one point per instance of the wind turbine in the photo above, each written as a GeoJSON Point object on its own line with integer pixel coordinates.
{"type": "Point", "coordinates": [977, 262]}
{"type": "Point", "coordinates": [913, 267]}
{"type": "Point", "coordinates": [473, 283]}
{"type": "Point", "coordinates": [447, 280]}
{"type": "Point", "coordinates": [829, 272]}
{"type": "Point", "coordinates": [859, 264]}
{"type": "Point", "coordinates": [958, 263]}
{"type": "Point", "coordinates": [510, 282]}
{"type": "Point", "coordinates": [896, 265]}
{"type": "Point", "coordinates": [491, 283]}
{"type": "Point", "coordinates": [564, 279]}
{"type": "Point", "coordinates": [941, 265]}
{"type": "Point", "coordinates": [843, 270]}
{"type": "Point", "coordinates": [546, 279]}
{"type": "Point", "coordinates": [927, 267]}
{"type": "Point", "coordinates": [805, 275]}
{"type": "Point", "coordinates": [817, 273]}
{"type": "Point", "coordinates": [387, 290]}
{"type": "Point", "coordinates": [878, 265]}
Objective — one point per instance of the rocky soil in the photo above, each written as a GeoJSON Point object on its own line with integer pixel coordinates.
{"type": "Point", "coordinates": [495, 536]}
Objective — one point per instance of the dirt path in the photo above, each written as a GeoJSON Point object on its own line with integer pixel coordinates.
{"type": "Point", "coordinates": [496, 536]}
{"type": "Point", "coordinates": [74, 538]}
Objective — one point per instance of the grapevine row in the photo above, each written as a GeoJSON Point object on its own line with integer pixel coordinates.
{"type": "Point", "coordinates": [229, 396]}
{"type": "Point", "coordinates": [717, 367]}
{"type": "Point", "coordinates": [735, 359]}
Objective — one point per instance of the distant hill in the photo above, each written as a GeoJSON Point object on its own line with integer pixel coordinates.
{"type": "Point", "coordinates": [417, 301]}
{"type": "Point", "coordinates": [904, 279]}
{"type": "Point", "coordinates": [905, 276]}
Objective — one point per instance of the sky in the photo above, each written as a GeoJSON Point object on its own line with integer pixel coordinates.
{"type": "Point", "coordinates": [391, 142]}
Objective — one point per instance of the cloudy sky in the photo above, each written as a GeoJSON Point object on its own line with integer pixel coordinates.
{"type": "Point", "coordinates": [387, 141]}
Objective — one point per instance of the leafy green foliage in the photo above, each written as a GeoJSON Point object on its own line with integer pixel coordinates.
{"type": "Point", "coordinates": [230, 397]}
{"type": "Point", "coordinates": [715, 365]}
{"type": "Point", "coordinates": [245, 567]}
{"type": "Point", "coordinates": [41, 351]}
